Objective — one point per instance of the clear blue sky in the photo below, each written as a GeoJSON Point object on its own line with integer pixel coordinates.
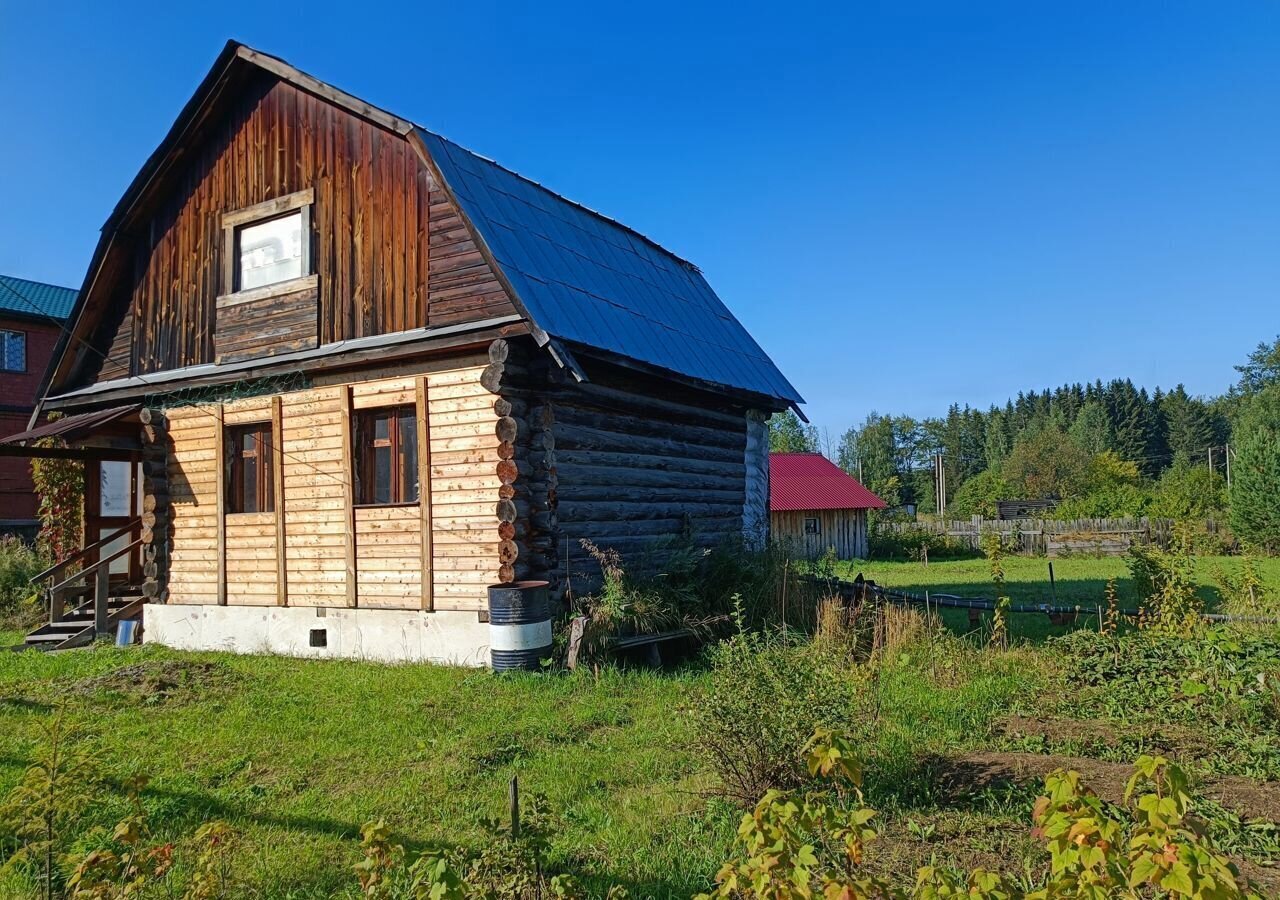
{"type": "Point", "coordinates": [906, 203]}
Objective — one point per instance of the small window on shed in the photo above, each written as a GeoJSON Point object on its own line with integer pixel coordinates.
{"type": "Point", "coordinates": [386, 455]}
{"type": "Point", "coordinates": [812, 526]}
{"type": "Point", "coordinates": [13, 351]}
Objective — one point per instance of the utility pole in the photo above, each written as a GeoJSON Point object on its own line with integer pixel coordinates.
{"type": "Point", "coordinates": [940, 484]}
{"type": "Point", "coordinates": [1228, 452]}
{"type": "Point", "coordinates": [1211, 468]}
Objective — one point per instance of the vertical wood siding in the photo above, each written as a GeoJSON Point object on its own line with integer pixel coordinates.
{"type": "Point", "coordinates": [390, 251]}
{"type": "Point", "coordinates": [843, 529]}
{"type": "Point", "coordinates": [388, 540]}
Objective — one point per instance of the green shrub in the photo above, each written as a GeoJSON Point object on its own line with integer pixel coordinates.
{"type": "Point", "coordinates": [19, 563]}
{"type": "Point", "coordinates": [765, 697]}
{"type": "Point", "coordinates": [798, 847]}
{"type": "Point", "coordinates": [1165, 580]}
{"type": "Point", "coordinates": [914, 543]}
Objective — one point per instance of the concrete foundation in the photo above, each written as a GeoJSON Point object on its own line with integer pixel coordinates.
{"type": "Point", "coordinates": [384, 635]}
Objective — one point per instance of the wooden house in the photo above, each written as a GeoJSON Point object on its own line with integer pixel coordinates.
{"type": "Point", "coordinates": [341, 374]}
{"type": "Point", "coordinates": [31, 317]}
{"type": "Point", "coordinates": [814, 505]}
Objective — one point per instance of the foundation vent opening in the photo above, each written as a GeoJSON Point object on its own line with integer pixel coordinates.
{"type": "Point", "coordinates": [319, 637]}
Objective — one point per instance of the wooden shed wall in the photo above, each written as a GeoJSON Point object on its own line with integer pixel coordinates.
{"type": "Point", "coordinates": [844, 529]}
{"type": "Point", "coordinates": [391, 252]}
{"type": "Point", "coordinates": [626, 461]}
{"type": "Point", "coordinates": [336, 554]}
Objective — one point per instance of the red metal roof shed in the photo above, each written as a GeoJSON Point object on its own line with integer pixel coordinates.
{"type": "Point", "coordinates": [804, 481]}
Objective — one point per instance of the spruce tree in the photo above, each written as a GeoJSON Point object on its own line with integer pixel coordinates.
{"type": "Point", "coordinates": [1192, 427]}
{"type": "Point", "coordinates": [1255, 485]}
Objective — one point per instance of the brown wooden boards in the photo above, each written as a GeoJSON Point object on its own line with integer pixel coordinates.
{"type": "Point", "coordinates": [389, 251]}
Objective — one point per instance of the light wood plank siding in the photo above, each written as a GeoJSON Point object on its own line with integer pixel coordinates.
{"type": "Point", "coordinates": [464, 486]}
{"type": "Point", "coordinates": [315, 476]}
{"type": "Point", "coordinates": [251, 559]}
{"type": "Point", "coordinates": [843, 529]}
{"type": "Point", "coordinates": [389, 557]}
{"type": "Point", "coordinates": [193, 497]}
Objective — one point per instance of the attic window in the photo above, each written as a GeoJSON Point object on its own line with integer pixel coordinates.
{"type": "Point", "coordinates": [269, 252]}
{"type": "Point", "coordinates": [267, 247]}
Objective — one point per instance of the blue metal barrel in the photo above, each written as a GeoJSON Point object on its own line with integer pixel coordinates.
{"type": "Point", "coordinates": [519, 625]}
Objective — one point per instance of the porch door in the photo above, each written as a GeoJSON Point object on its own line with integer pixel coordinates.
{"type": "Point", "coordinates": [112, 499]}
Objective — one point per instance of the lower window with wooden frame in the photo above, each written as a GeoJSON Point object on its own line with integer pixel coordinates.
{"type": "Point", "coordinates": [250, 487]}
{"type": "Point", "coordinates": [385, 446]}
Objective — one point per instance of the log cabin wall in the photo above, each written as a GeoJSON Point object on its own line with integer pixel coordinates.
{"type": "Point", "coordinates": [318, 548]}
{"type": "Point", "coordinates": [390, 251]}
{"type": "Point", "coordinates": [843, 529]}
{"type": "Point", "coordinates": [625, 461]}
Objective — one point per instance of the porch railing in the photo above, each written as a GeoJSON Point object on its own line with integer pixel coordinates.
{"type": "Point", "coordinates": [94, 578]}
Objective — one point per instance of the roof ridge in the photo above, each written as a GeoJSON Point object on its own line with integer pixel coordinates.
{"type": "Point", "coordinates": [692, 266]}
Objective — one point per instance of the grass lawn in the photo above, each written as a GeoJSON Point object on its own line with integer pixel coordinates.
{"type": "Point", "coordinates": [298, 754]}
{"type": "Point", "coordinates": [1079, 581]}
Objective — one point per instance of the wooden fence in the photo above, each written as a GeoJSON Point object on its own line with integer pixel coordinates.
{"type": "Point", "coordinates": [1054, 537]}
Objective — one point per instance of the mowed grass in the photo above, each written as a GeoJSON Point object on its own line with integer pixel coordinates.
{"type": "Point", "coordinates": [298, 754]}
{"type": "Point", "coordinates": [1078, 581]}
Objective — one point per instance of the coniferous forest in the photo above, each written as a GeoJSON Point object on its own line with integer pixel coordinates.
{"type": "Point", "coordinates": [1103, 449]}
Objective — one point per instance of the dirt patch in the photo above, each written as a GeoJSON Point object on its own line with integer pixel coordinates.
{"type": "Point", "coordinates": [976, 771]}
{"type": "Point", "coordinates": [161, 681]}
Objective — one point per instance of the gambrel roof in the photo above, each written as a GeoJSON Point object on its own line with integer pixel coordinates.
{"type": "Point", "coordinates": [589, 280]}
{"type": "Point", "coordinates": [584, 282]}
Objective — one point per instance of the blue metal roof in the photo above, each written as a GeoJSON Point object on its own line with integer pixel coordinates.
{"type": "Point", "coordinates": [35, 298]}
{"type": "Point", "coordinates": [587, 279]}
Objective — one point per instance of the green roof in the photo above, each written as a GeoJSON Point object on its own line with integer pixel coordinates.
{"type": "Point", "coordinates": [35, 298]}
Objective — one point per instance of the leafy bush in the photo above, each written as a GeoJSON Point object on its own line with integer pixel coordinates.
{"type": "Point", "coordinates": [1165, 580]}
{"type": "Point", "coordinates": [887, 541]}
{"type": "Point", "coordinates": [766, 696]}
{"type": "Point", "coordinates": [1222, 675]}
{"type": "Point", "coordinates": [512, 866]}
{"type": "Point", "coordinates": [978, 495]}
{"type": "Point", "coordinates": [1187, 493]}
{"type": "Point", "coordinates": [1246, 593]}
{"type": "Point", "coordinates": [799, 847]}
{"type": "Point", "coordinates": [683, 585]}
{"type": "Point", "coordinates": [19, 563]}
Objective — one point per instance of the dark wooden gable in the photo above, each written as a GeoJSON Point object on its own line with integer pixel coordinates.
{"type": "Point", "coordinates": [390, 251]}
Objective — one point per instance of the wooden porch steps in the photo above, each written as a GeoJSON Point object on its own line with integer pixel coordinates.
{"type": "Point", "coordinates": [76, 628]}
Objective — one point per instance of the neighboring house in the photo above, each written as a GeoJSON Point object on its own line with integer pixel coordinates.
{"type": "Point", "coordinates": [814, 504]}
{"type": "Point", "coordinates": [369, 373]}
{"type": "Point", "coordinates": [31, 317]}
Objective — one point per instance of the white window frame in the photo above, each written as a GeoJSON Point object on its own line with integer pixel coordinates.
{"type": "Point", "coordinates": [234, 222]}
